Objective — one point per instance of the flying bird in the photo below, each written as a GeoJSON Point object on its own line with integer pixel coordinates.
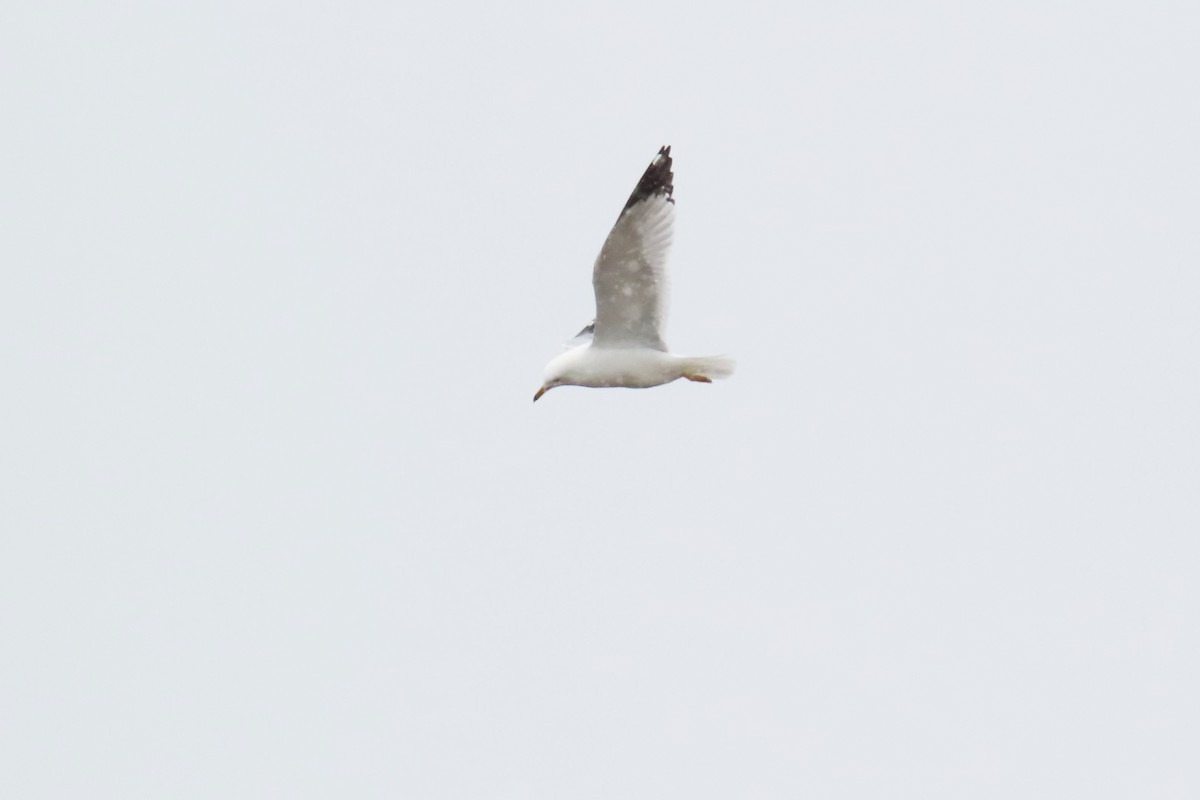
{"type": "Point", "coordinates": [623, 345]}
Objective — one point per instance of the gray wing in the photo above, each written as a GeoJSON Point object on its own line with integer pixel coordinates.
{"type": "Point", "coordinates": [582, 338]}
{"type": "Point", "coordinates": [630, 276]}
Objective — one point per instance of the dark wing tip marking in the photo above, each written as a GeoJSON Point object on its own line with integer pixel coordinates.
{"type": "Point", "coordinates": [656, 180]}
{"type": "Point", "coordinates": [588, 329]}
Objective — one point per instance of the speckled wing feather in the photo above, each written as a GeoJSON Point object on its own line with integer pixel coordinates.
{"type": "Point", "coordinates": [630, 277]}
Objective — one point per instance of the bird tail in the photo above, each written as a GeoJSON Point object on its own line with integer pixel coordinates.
{"type": "Point", "coordinates": [711, 367]}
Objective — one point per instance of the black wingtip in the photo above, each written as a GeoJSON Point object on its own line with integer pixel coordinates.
{"type": "Point", "coordinates": [656, 180]}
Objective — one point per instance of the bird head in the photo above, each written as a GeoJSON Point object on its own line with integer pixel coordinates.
{"type": "Point", "coordinates": [558, 373]}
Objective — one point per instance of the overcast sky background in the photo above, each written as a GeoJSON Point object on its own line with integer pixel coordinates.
{"type": "Point", "coordinates": [278, 518]}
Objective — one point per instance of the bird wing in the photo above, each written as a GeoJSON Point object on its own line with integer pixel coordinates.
{"type": "Point", "coordinates": [584, 337]}
{"type": "Point", "coordinates": [630, 275]}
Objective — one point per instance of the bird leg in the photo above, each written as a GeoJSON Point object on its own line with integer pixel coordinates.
{"type": "Point", "coordinates": [698, 378]}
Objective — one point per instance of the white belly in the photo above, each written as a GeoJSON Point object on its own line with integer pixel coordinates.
{"type": "Point", "coordinates": [631, 367]}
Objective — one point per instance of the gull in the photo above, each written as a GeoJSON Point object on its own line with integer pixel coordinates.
{"type": "Point", "coordinates": [623, 345]}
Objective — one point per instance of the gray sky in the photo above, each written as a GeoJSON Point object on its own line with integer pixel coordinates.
{"type": "Point", "coordinates": [278, 518]}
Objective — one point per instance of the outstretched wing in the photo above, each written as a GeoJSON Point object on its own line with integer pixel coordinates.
{"type": "Point", "coordinates": [630, 276]}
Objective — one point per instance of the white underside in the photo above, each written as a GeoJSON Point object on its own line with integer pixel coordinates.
{"type": "Point", "coordinates": [635, 367]}
{"type": "Point", "coordinates": [632, 367]}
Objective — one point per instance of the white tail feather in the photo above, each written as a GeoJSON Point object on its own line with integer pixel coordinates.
{"type": "Point", "coordinates": [714, 367]}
